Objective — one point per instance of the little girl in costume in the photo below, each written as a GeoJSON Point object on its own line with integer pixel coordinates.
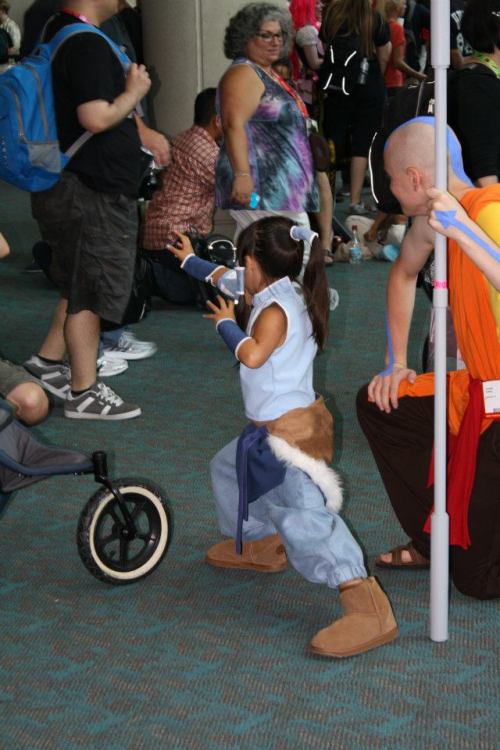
{"type": "Point", "coordinates": [272, 482]}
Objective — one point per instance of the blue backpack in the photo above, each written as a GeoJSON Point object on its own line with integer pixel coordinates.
{"type": "Point", "coordinates": [30, 157]}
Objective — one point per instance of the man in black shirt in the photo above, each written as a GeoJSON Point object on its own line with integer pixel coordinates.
{"type": "Point", "coordinates": [89, 218]}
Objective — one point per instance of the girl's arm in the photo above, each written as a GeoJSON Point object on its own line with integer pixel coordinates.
{"type": "Point", "coordinates": [203, 270]}
{"type": "Point", "coordinates": [447, 217]}
{"type": "Point", "coordinates": [399, 63]}
{"type": "Point", "coordinates": [269, 332]}
{"type": "Point", "coordinates": [311, 54]}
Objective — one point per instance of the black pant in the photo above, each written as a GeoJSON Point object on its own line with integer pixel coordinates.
{"type": "Point", "coordinates": [401, 443]}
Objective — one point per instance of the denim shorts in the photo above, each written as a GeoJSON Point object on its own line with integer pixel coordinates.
{"type": "Point", "coordinates": [93, 237]}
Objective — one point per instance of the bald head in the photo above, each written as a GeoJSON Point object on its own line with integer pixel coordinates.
{"type": "Point", "coordinates": [409, 160]}
{"type": "Point", "coordinates": [411, 145]}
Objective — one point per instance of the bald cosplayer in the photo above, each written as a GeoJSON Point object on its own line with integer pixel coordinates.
{"type": "Point", "coordinates": [396, 409]}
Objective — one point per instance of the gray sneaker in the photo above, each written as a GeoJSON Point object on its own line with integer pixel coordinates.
{"type": "Point", "coordinates": [99, 402]}
{"type": "Point", "coordinates": [54, 378]}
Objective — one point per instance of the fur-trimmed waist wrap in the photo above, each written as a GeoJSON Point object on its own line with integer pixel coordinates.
{"type": "Point", "coordinates": [302, 438]}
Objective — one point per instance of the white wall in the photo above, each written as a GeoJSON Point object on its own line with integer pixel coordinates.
{"type": "Point", "coordinates": [17, 8]}
{"type": "Point", "coordinates": [183, 48]}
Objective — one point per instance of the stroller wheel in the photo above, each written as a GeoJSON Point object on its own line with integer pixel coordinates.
{"type": "Point", "coordinates": [109, 548]}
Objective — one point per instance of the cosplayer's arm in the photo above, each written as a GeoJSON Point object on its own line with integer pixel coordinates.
{"type": "Point", "coordinates": [480, 243]}
{"type": "Point", "coordinates": [268, 333]}
{"type": "Point", "coordinates": [197, 267]}
{"type": "Point", "coordinates": [416, 248]}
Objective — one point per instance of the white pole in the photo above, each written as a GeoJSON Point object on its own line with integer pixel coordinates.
{"type": "Point", "coordinates": [440, 60]}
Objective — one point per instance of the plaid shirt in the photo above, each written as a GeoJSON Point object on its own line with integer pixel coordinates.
{"type": "Point", "coordinates": [185, 201]}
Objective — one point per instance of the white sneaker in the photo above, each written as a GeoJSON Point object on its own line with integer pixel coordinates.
{"type": "Point", "coordinates": [106, 368]}
{"type": "Point", "coordinates": [128, 347]}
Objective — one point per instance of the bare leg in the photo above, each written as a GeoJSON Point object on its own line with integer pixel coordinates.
{"type": "Point", "coordinates": [358, 171]}
{"type": "Point", "coordinates": [81, 332]}
{"type": "Point", "coordinates": [54, 347]}
{"type": "Point", "coordinates": [30, 402]}
{"type": "Point", "coordinates": [324, 216]}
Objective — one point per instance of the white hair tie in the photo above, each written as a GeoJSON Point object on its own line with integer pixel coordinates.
{"type": "Point", "coordinates": [302, 233]}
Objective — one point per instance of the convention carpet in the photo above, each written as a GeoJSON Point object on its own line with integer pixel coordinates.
{"type": "Point", "coordinates": [194, 658]}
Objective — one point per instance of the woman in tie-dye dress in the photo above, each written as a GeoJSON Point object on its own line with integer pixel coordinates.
{"type": "Point", "coordinates": [265, 155]}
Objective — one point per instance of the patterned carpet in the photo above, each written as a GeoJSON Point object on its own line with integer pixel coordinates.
{"type": "Point", "coordinates": [198, 659]}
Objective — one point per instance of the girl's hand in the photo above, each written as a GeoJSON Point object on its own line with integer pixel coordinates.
{"type": "Point", "coordinates": [443, 201]}
{"type": "Point", "coordinates": [224, 310]}
{"type": "Point", "coordinates": [242, 189]}
{"type": "Point", "coordinates": [182, 247]}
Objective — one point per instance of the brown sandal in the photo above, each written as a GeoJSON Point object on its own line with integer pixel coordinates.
{"type": "Point", "coordinates": [417, 561]}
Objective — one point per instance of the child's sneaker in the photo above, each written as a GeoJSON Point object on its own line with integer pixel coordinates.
{"type": "Point", "coordinates": [54, 378]}
{"type": "Point", "coordinates": [99, 402]}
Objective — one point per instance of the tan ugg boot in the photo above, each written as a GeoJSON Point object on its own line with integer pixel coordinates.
{"type": "Point", "coordinates": [368, 622]}
{"type": "Point", "coordinates": [265, 555]}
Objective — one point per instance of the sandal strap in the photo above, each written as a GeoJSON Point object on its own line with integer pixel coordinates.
{"type": "Point", "coordinates": [415, 556]}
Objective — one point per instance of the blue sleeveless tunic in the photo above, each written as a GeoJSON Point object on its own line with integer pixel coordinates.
{"type": "Point", "coordinates": [285, 381]}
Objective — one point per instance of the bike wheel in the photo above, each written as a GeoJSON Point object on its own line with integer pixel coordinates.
{"type": "Point", "coordinates": [106, 546]}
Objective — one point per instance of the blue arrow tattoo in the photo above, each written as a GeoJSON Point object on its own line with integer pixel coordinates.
{"type": "Point", "coordinates": [447, 218]}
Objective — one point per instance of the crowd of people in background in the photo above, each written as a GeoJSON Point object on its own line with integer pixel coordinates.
{"type": "Point", "coordinates": [304, 93]}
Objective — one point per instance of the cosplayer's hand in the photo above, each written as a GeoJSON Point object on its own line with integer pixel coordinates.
{"type": "Point", "coordinates": [442, 201]}
{"type": "Point", "coordinates": [182, 247]}
{"type": "Point", "coordinates": [224, 310]}
{"type": "Point", "coordinates": [242, 189]}
{"type": "Point", "coordinates": [383, 389]}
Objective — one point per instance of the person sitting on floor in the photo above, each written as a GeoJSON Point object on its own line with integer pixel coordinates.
{"type": "Point", "coordinates": [396, 410]}
{"type": "Point", "coordinates": [29, 400]}
{"type": "Point", "coordinates": [185, 201]}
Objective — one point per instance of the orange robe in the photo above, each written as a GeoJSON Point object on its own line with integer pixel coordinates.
{"type": "Point", "coordinates": [477, 337]}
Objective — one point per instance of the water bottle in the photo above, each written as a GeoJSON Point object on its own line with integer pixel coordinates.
{"type": "Point", "coordinates": [364, 67]}
{"type": "Point", "coordinates": [355, 251]}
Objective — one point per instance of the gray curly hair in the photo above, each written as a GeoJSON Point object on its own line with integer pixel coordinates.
{"type": "Point", "coordinates": [247, 22]}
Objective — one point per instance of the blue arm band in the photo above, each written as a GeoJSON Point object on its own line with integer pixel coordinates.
{"type": "Point", "coordinates": [199, 268]}
{"type": "Point", "coordinates": [231, 334]}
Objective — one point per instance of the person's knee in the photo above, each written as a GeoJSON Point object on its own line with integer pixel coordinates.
{"type": "Point", "coordinates": [477, 584]}
{"type": "Point", "coordinates": [30, 401]}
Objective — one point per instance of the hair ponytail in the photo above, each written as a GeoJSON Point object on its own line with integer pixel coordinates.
{"type": "Point", "coordinates": [316, 293]}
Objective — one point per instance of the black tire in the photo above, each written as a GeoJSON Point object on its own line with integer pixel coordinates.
{"type": "Point", "coordinates": [103, 547]}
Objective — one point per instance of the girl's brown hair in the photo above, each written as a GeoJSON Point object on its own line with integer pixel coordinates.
{"type": "Point", "coordinates": [356, 16]}
{"type": "Point", "coordinates": [269, 242]}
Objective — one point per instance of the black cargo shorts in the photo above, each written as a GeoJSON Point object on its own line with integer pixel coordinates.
{"type": "Point", "coordinates": [93, 237]}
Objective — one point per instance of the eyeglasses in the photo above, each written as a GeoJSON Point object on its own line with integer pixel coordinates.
{"type": "Point", "coordinates": [268, 36]}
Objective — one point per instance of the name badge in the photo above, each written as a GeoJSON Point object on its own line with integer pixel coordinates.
{"type": "Point", "coordinates": [491, 395]}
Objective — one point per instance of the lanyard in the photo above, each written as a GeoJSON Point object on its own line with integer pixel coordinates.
{"type": "Point", "coordinates": [298, 101]}
{"type": "Point", "coordinates": [80, 16]}
{"type": "Point", "coordinates": [491, 64]}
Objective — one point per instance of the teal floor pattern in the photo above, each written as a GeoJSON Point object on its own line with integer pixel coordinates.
{"type": "Point", "coordinates": [194, 658]}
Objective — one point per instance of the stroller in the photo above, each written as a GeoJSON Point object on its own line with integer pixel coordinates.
{"type": "Point", "coordinates": [124, 529]}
